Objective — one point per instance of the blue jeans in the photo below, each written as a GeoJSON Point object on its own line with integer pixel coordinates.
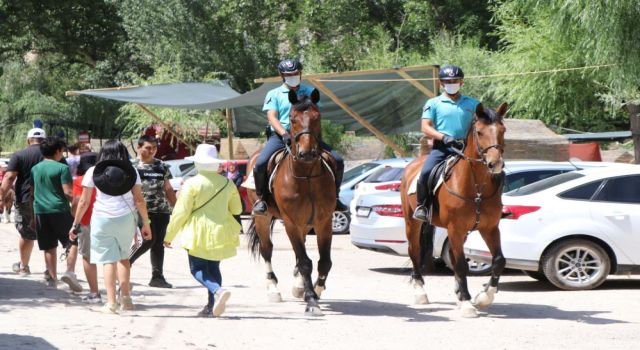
{"type": "Point", "coordinates": [207, 272]}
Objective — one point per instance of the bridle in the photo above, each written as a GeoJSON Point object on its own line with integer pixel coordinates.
{"type": "Point", "coordinates": [482, 152]}
{"type": "Point", "coordinates": [293, 152]}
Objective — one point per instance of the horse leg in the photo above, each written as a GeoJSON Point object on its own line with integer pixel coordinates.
{"type": "Point", "coordinates": [324, 236]}
{"type": "Point", "coordinates": [305, 266]}
{"type": "Point", "coordinates": [263, 227]}
{"type": "Point", "coordinates": [461, 269]}
{"type": "Point", "coordinates": [485, 298]}
{"type": "Point", "coordinates": [298, 285]}
{"type": "Point", "coordinates": [412, 228]}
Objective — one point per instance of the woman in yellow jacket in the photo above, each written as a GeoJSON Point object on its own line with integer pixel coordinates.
{"type": "Point", "coordinates": [203, 215]}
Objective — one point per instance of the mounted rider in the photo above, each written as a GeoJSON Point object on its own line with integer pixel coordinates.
{"type": "Point", "coordinates": [277, 106]}
{"type": "Point", "coordinates": [446, 119]}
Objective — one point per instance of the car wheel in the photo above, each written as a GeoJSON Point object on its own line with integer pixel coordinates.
{"type": "Point", "coordinates": [476, 268]}
{"type": "Point", "coordinates": [536, 275]}
{"type": "Point", "coordinates": [576, 264]}
{"type": "Point", "coordinates": [341, 222]}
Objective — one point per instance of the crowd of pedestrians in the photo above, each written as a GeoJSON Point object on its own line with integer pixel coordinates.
{"type": "Point", "coordinates": [100, 205]}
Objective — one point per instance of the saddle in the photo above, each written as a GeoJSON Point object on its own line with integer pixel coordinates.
{"type": "Point", "coordinates": [439, 174]}
{"type": "Point", "coordinates": [327, 161]}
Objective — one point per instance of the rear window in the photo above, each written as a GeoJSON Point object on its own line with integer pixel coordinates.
{"type": "Point", "coordinates": [357, 171]}
{"type": "Point", "coordinates": [544, 184]}
{"type": "Point", "coordinates": [517, 180]}
{"type": "Point", "coordinates": [385, 174]}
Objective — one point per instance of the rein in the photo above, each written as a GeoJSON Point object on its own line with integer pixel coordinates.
{"type": "Point", "coordinates": [477, 200]}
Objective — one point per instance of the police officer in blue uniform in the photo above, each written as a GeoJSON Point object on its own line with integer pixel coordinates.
{"type": "Point", "coordinates": [446, 119]}
{"type": "Point", "coordinates": [277, 106]}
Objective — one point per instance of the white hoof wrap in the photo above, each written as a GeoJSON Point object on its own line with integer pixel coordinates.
{"type": "Point", "coordinates": [484, 299]}
{"type": "Point", "coordinates": [419, 295]}
{"type": "Point", "coordinates": [313, 311]}
{"type": "Point", "coordinates": [467, 310]}
{"type": "Point", "coordinates": [273, 294]}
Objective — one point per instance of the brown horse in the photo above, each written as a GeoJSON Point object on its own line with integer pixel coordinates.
{"type": "Point", "coordinates": [304, 198]}
{"type": "Point", "coordinates": [469, 199]}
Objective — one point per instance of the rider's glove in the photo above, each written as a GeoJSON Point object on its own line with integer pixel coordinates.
{"type": "Point", "coordinates": [286, 139]}
{"type": "Point", "coordinates": [448, 140]}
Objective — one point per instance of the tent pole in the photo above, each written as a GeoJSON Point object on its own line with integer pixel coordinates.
{"type": "Point", "coordinates": [157, 119]}
{"type": "Point", "coordinates": [418, 86]}
{"type": "Point", "coordinates": [399, 151]}
{"type": "Point", "coordinates": [227, 113]}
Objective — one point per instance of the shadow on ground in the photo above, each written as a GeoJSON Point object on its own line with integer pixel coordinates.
{"type": "Point", "coordinates": [535, 311]}
{"type": "Point", "coordinates": [26, 342]}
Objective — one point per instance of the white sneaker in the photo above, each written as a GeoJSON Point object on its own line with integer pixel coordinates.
{"type": "Point", "coordinates": [219, 304]}
{"type": "Point", "coordinates": [70, 279]}
{"type": "Point", "coordinates": [92, 298]}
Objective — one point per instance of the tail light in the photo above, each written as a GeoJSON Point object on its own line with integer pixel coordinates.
{"type": "Point", "coordinates": [394, 186]}
{"type": "Point", "coordinates": [514, 212]}
{"type": "Point", "coordinates": [388, 210]}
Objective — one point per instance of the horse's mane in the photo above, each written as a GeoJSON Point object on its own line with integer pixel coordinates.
{"type": "Point", "coordinates": [488, 115]}
{"type": "Point", "coordinates": [303, 104]}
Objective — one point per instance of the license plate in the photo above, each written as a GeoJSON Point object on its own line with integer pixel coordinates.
{"type": "Point", "coordinates": [363, 212]}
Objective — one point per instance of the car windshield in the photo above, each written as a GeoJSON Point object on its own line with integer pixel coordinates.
{"type": "Point", "coordinates": [357, 171]}
{"type": "Point", "coordinates": [385, 174]}
{"type": "Point", "coordinates": [544, 184]}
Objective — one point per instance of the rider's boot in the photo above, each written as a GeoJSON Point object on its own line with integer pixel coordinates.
{"type": "Point", "coordinates": [422, 210]}
{"type": "Point", "coordinates": [339, 205]}
{"type": "Point", "coordinates": [260, 206]}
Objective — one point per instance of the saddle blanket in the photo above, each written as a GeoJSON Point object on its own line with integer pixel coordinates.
{"type": "Point", "coordinates": [250, 184]}
{"type": "Point", "coordinates": [413, 187]}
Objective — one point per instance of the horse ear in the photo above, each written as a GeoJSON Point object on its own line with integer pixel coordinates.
{"type": "Point", "coordinates": [293, 97]}
{"type": "Point", "coordinates": [315, 96]}
{"type": "Point", "coordinates": [502, 109]}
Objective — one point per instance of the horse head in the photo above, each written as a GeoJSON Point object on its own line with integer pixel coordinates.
{"type": "Point", "coordinates": [488, 136]}
{"type": "Point", "coordinates": [305, 126]}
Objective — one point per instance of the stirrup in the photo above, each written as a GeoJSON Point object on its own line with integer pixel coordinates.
{"type": "Point", "coordinates": [259, 208]}
{"type": "Point", "coordinates": [420, 213]}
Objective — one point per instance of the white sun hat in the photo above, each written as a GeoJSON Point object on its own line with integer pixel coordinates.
{"type": "Point", "coordinates": [36, 133]}
{"type": "Point", "coordinates": [206, 154]}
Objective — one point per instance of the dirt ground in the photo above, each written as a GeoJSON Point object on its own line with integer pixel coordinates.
{"type": "Point", "coordinates": [367, 304]}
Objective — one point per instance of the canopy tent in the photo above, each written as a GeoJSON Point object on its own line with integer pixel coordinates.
{"type": "Point", "coordinates": [383, 102]}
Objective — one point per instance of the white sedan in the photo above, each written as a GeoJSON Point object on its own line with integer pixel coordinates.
{"type": "Point", "coordinates": [573, 229]}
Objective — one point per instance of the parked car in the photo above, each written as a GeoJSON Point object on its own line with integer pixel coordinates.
{"type": "Point", "coordinates": [378, 224]}
{"type": "Point", "coordinates": [179, 169]}
{"type": "Point", "coordinates": [572, 230]}
{"type": "Point", "coordinates": [350, 179]}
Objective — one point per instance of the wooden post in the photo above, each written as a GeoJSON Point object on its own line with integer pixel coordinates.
{"type": "Point", "coordinates": [157, 119]}
{"type": "Point", "coordinates": [320, 86]}
{"type": "Point", "coordinates": [227, 113]}
{"type": "Point", "coordinates": [417, 85]}
{"type": "Point", "coordinates": [634, 115]}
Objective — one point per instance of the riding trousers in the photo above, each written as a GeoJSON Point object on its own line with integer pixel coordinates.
{"type": "Point", "coordinates": [274, 143]}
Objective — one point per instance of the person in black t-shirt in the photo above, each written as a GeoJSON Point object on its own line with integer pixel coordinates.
{"type": "Point", "coordinates": [19, 169]}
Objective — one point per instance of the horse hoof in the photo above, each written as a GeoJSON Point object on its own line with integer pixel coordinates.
{"type": "Point", "coordinates": [421, 299]}
{"type": "Point", "coordinates": [483, 300]}
{"type": "Point", "coordinates": [467, 310]}
{"type": "Point", "coordinates": [319, 290]}
{"type": "Point", "coordinates": [297, 292]}
{"type": "Point", "coordinates": [274, 297]}
{"type": "Point", "coordinates": [313, 311]}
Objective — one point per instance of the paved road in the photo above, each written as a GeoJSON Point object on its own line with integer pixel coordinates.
{"type": "Point", "coordinates": [367, 305]}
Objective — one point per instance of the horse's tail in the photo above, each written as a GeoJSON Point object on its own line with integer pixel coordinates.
{"type": "Point", "coordinates": [426, 246]}
{"type": "Point", "coordinates": [254, 239]}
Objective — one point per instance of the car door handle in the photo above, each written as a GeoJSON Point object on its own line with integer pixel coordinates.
{"type": "Point", "coordinates": [617, 215]}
